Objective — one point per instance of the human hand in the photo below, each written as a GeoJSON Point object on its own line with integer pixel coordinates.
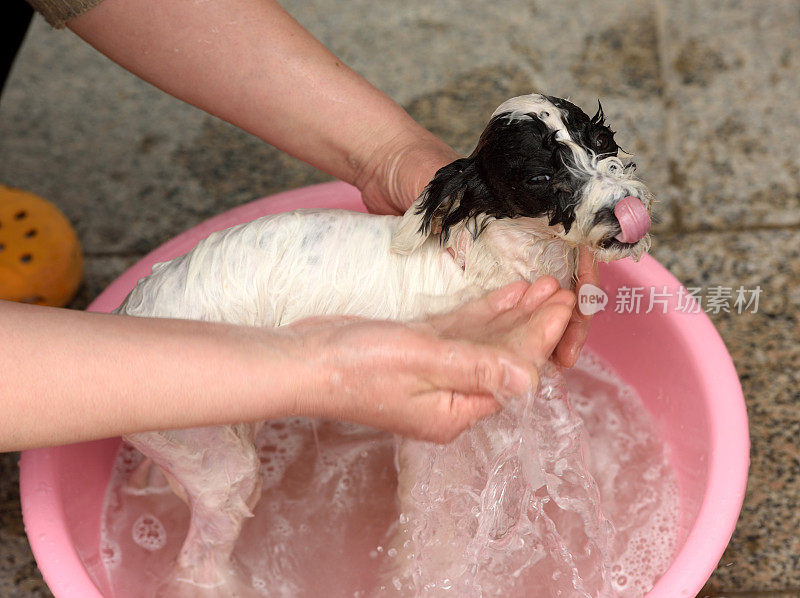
{"type": "Point", "coordinates": [432, 379]}
{"type": "Point", "coordinates": [569, 348]}
{"type": "Point", "coordinates": [398, 173]}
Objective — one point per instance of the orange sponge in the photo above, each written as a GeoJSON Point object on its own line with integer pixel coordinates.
{"type": "Point", "coordinates": [40, 256]}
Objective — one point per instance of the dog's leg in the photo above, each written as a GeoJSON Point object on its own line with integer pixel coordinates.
{"type": "Point", "coordinates": [216, 471]}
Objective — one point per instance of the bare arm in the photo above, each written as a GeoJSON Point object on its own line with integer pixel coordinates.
{"type": "Point", "coordinates": [250, 63]}
{"type": "Point", "coordinates": [75, 376]}
{"type": "Point", "coordinates": [70, 376]}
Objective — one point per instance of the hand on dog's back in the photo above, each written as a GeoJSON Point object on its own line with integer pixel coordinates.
{"type": "Point", "coordinates": [434, 378]}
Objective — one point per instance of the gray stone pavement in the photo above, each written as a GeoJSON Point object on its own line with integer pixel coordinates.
{"type": "Point", "coordinates": [704, 93]}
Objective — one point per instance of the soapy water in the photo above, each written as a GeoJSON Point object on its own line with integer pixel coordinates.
{"type": "Point", "coordinates": [550, 497]}
{"type": "Point", "coordinates": [570, 497]}
{"type": "Point", "coordinates": [149, 533]}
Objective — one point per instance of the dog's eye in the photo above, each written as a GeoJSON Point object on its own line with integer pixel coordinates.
{"type": "Point", "coordinates": [604, 143]}
{"type": "Point", "coordinates": [538, 179]}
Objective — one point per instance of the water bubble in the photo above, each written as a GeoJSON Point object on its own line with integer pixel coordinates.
{"type": "Point", "coordinates": [149, 533]}
{"type": "Point", "coordinates": [109, 553]}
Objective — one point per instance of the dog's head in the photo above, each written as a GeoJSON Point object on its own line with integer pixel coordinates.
{"type": "Point", "coordinates": [539, 156]}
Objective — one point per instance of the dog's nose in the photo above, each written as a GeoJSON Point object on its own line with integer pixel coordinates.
{"type": "Point", "coordinates": [634, 221]}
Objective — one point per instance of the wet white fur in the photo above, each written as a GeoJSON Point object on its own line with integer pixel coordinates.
{"type": "Point", "coordinates": [524, 106]}
{"type": "Point", "coordinates": [280, 268]}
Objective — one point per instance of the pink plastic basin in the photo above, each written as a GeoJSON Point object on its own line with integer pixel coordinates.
{"type": "Point", "coordinates": [676, 361]}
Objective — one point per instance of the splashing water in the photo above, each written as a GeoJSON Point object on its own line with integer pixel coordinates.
{"type": "Point", "coordinates": [550, 497]}
{"type": "Point", "coordinates": [507, 505]}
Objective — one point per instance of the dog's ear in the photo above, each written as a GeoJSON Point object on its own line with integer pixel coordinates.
{"type": "Point", "coordinates": [451, 197]}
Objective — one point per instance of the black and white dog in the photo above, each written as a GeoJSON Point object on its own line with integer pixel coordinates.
{"type": "Point", "coordinates": [544, 179]}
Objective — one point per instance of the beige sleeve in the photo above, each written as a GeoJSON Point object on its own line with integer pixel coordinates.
{"type": "Point", "coordinates": [58, 12]}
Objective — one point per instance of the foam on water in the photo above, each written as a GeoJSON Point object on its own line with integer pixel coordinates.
{"type": "Point", "coordinates": [574, 496]}
{"type": "Point", "coordinates": [149, 533]}
{"type": "Point", "coordinates": [638, 489]}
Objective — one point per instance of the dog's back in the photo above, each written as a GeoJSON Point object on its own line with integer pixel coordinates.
{"type": "Point", "coordinates": [285, 267]}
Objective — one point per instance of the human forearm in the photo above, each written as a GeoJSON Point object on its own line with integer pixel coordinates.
{"type": "Point", "coordinates": [69, 376]}
{"type": "Point", "coordinates": [250, 63]}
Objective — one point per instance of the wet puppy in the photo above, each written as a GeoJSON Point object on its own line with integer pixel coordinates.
{"type": "Point", "coordinates": [543, 180]}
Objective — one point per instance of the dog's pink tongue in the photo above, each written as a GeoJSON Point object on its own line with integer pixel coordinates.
{"type": "Point", "coordinates": [633, 219]}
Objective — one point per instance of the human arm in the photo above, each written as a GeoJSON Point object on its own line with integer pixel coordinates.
{"type": "Point", "coordinates": [250, 63]}
{"type": "Point", "coordinates": [71, 376]}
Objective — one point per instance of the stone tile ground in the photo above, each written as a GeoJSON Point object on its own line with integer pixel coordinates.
{"type": "Point", "coordinates": [704, 93]}
{"type": "Point", "coordinates": [764, 552]}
